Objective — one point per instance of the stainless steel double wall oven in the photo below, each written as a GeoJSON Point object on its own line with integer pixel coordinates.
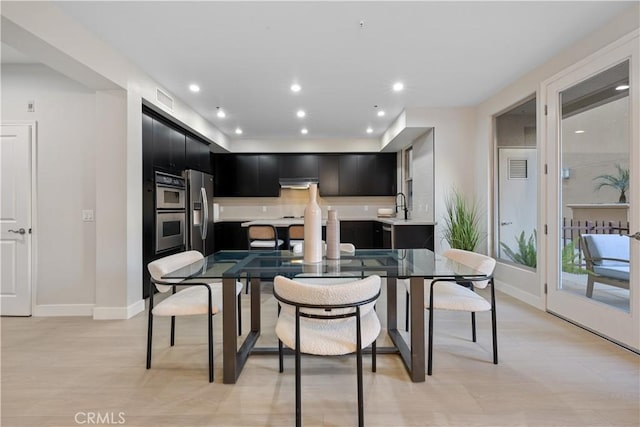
{"type": "Point", "coordinates": [170, 212]}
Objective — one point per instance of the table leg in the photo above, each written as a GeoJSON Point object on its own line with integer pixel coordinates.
{"type": "Point", "coordinates": [229, 332]}
{"type": "Point", "coordinates": [417, 329]}
{"type": "Point", "coordinates": [392, 304]}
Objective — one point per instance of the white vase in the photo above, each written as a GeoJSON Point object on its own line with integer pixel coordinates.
{"type": "Point", "coordinates": [333, 235]}
{"type": "Point", "coordinates": [312, 228]}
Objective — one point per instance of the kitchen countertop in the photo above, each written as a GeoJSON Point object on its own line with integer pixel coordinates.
{"type": "Point", "coordinates": [285, 222]}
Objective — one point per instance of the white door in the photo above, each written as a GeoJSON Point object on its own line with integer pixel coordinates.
{"type": "Point", "coordinates": [592, 137]}
{"type": "Point", "coordinates": [517, 171]}
{"type": "Point", "coordinates": [15, 219]}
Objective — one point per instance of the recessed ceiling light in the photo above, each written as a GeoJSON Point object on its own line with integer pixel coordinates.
{"type": "Point", "coordinates": [194, 88]}
{"type": "Point", "coordinates": [238, 131]}
{"type": "Point", "coordinates": [579, 131]}
{"type": "Point", "coordinates": [622, 87]}
{"type": "Point", "coordinates": [295, 87]}
{"type": "Point", "coordinates": [380, 113]}
{"type": "Point", "coordinates": [398, 86]}
{"type": "Point", "coordinates": [369, 130]}
{"type": "Point", "coordinates": [301, 113]}
{"type": "Point", "coordinates": [304, 131]}
{"type": "Point", "coordinates": [221, 113]}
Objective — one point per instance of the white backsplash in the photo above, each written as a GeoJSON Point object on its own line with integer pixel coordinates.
{"type": "Point", "coordinates": [293, 202]}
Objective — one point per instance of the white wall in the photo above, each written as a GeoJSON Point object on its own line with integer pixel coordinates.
{"type": "Point", "coordinates": [66, 158]}
{"type": "Point", "coordinates": [516, 281]}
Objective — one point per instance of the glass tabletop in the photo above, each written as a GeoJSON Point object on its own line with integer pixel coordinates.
{"type": "Point", "coordinates": [391, 263]}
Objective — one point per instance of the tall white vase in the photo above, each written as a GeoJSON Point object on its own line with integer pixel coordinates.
{"type": "Point", "coordinates": [312, 228]}
{"type": "Point", "coordinates": [333, 235]}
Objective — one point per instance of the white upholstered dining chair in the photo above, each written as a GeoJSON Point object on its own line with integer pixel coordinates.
{"type": "Point", "coordinates": [325, 317]}
{"type": "Point", "coordinates": [447, 294]}
{"type": "Point", "coordinates": [194, 298]}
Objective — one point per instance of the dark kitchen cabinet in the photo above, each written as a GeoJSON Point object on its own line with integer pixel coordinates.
{"type": "Point", "coordinates": [329, 175]}
{"type": "Point", "coordinates": [360, 233]}
{"type": "Point", "coordinates": [148, 205]}
{"type": "Point", "coordinates": [246, 175]}
{"type": "Point", "coordinates": [368, 174]}
{"type": "Point", "coordinates": [229, 235]}
{"type": "Point", "coordinates": [298, 165]}
{"type": "Point", "coordinates": [197, 155]}
{"type": "Point", "coordinates": [168, 148]}
{"type": "Point", "coordinates": [413, 236]}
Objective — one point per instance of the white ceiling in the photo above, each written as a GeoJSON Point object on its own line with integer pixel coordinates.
{"type": "Point", "coordinates": [345, 55]}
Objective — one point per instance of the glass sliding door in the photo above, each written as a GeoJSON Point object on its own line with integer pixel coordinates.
{"type": "Point", "coordinates": [592, 273]}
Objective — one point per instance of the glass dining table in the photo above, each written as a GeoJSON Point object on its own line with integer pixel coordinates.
{"type": "Point", "coordinates": [416, 265]}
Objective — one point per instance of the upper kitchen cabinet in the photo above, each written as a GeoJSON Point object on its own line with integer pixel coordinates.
{"type": "Point", "coordinates": [367, 174]}
{"type": "Point", "coordinates": [168, 148]}
{"type": "Point", "coordinates": [197, 155]}
{"type": "Point", "coordinates": [246, 175]}
{"type": "Point", "coordinates": [329, 175]}
{"type": "Point", "coordinates": [298, 165]}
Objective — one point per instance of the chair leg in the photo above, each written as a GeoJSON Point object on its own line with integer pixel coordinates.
{"type": "Point", "coordinates": [359, 369]}
{"type": "Point", "coordinates": [210, 331]}
{"type": "Point", "coordinates": [239, 315]}
{"type": "Point", "coordinates": [280, 357]}
{"type": "Point", "coordinates": [373, 356]}
{"type": "Point", "coordinates": [298, 374]}
{"type": "Point", "coordinates": [430, 344]}
{"type": "Point", "coordinates": [473, 326]}
{"type": "Point", "coordinates": [173, 330]}
{"type": "Point", "coordinates": [494, 324]}
{"type": "Point", "coordinates": [406, 320]}
{"type": "Point", "coordinates": [590, 286]}
{"type": "Point", "coordinates": [150, 327]}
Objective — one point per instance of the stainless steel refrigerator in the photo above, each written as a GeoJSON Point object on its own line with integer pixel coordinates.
{"type": "Point", "coordinates": [199, 211]}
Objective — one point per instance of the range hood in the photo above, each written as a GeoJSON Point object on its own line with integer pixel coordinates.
{"type": "Point", "coordinates": [297, 183]}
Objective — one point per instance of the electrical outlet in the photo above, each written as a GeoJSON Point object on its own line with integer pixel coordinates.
{"type": "Point", "coordinates": [31, 106]}
{"type": "Point", "coordinates": [264, 209]}
{"type": "Point", "coordinates": [221, 208]}
{"type": "Point", "coordinates": [87, 215]}
{"type": "Point", "coordinates": [366, 208]}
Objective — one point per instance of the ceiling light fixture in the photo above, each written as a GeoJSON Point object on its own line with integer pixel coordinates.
{"type": "Point", "coordinates": [221, 113]}
{"type": "Point", "coordinates": [295, 87]}
{"type": "Point", "coordinates": [194, 88]}
{"type": "Point", "coordinates": [301, 113]}
{"type": "Point", "coordinates": [622, 87]}
{"type": "Point", "coordinates": [381, 113]}
{"type": "Point", "coordinates": [369, 130]}
{"type": "Point", "coordinates": [238, 131]}
{"type": "Point", "coordinates": [398, 86]}
{"type": "Point", "coordinates": [304, 131]}
{"type": "Point", "coordinates": [579, 131]}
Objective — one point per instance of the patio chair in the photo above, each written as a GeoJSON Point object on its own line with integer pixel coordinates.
{"type": "Point", "coordinates": [607, 258]}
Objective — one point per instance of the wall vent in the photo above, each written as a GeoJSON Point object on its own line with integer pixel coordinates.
{"type": "Point", "coordinates": [518, 169]}
{"type": "Point", "coordinates": [164, 99]}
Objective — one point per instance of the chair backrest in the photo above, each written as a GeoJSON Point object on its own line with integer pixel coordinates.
{"type": "Point", "coordinates": [266, 233]}
{"type": "Point", "coordinates": [166, 265]}
{"type": "Point", "coordinates": [296, 232]}
{"type": "Point", "coordinates": [327, 292]}
{"type": "Point", "coordinates": [598, 246]}
{"type": "Point", "coordinates": [482, 263]}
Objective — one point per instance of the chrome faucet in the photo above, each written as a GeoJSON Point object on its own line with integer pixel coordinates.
{"type": "Point", "coordinates": [403, 205]}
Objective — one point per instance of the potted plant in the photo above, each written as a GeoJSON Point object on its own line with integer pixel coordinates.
{"type": "Point", "coordinates": [461, 222]}
{"type": "Point", "coordinates": [620, 182]}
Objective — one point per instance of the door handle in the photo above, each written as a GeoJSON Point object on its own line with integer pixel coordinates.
{"type": "Point", "coordinates": [506, 223]}
{"type": "Point", "coordinates": [635, 235]}
{"type": "Point", "coordinates": [20, 231]}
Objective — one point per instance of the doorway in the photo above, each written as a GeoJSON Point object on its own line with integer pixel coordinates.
{"type": "Point", "coordinates": [592, 201]}
{"type": "Point", "coordinates": [16, 152]}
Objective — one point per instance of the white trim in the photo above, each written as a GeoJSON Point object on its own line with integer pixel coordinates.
{"type": "Point", "coordinates": [112, 313]}
{"type": "Point", "coordinates": [55, 310]}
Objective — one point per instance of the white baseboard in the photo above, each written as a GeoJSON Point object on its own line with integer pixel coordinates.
{"type": "Point", "coordinates": [56, 310]}
{"type": "Point", "coordinates": [519, 294]}
{"type": "Point", "coordinates": [114, 313]}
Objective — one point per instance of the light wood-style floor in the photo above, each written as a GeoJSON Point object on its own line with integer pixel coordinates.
{"type": "Point", "coordinates": [63, 371]}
